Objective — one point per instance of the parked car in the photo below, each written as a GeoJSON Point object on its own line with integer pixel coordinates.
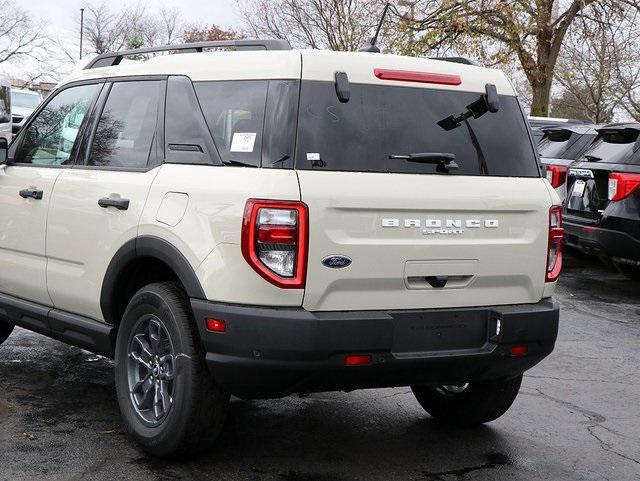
{"type": "Point", "coordinates": [603, 200]}
{"type": "Point", "coordinates": [23, 103]}
{"type": "Point", "coordinates": [561, 146]}
{"type": "Point", "coordinates": [5, 108]}
{"type": "Point", "coordinates": [538, 124]}
{"type": "Point", "coordinates": [267, 221]}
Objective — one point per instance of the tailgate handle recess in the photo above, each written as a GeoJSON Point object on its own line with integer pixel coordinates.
{"type": "Point", "coordinates": [437, 282]}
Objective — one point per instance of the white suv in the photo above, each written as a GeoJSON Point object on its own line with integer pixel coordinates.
{"type": "Point", "coordinates": [264, 221]}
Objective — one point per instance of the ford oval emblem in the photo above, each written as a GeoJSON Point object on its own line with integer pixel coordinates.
{"type": "Point", "coordinates": [336, 262]}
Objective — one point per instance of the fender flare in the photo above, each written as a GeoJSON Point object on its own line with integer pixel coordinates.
{"type": "Point", "coordinates": [147, 246]}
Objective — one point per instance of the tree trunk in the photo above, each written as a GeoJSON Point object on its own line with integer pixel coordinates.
{"type": "Point", "coordinates": [541, 96]}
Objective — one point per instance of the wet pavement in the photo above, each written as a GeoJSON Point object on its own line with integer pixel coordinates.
{"type": "Point", "coordinates": [577, 416]}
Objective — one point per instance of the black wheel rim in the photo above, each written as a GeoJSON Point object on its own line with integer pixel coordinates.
{"type": "Point", "coordinates": [151, 370]}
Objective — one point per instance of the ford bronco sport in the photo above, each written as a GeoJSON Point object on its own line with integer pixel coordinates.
{"type": "Point", "coordinates": [264, 221]}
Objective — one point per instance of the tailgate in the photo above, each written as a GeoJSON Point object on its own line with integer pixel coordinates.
{"type": "Point", "coordinates": [424, 241]}
{"type": "Point", "coordinates": [587, 187]}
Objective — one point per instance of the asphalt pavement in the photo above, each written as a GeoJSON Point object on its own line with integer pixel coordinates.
{"type": "Point", "coordinates": [577, 416]}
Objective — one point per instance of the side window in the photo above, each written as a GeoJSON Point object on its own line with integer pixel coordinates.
{"type": "Point", "coordinates": [5, 104]}
{"type": "Point", "coordinates": [49, 139]}
{"type": "Point", "coordinates": [235, 115]}
{"type": "Point", "coordinates": [127, 125]}
{"type": "Point", "coordinates": [187, 137]}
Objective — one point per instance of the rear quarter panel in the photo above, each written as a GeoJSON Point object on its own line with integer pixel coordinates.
{"type": "Point", "coordinates": [208, 232]}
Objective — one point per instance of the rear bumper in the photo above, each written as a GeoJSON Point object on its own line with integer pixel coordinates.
{"type": "Point", "coordinates": [273, 352]}
{"type": "Point", "coordinates": [601, 242]}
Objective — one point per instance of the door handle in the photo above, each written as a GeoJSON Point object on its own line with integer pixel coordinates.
{"type": "Point", "coordinates": [117, 202]}
{"type": "Point", "coordinates": [31, 192]}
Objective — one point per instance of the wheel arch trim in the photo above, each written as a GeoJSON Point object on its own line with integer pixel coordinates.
{"type": "Point", "coordinates": [149, 247]}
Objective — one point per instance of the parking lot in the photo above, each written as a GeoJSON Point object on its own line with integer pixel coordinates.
{"type": "Point", "coordinates": [577, 416]}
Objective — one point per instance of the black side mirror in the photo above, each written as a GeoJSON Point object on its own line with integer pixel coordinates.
{"type": "Point", "coordinates": [4, 150]}
{"type": "Point", "coordinates": [493, 101]}
{"type": "Point", "coordinates": [342, 87]}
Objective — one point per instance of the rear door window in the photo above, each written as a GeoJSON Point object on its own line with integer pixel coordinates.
{"type": "Point", "coordinates": [127, 125]}
{"type": "Point", "coordinates": [380, 121]}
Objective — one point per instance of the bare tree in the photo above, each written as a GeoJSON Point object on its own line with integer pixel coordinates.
{"type": "Point", "coordinates": [171, 25]}
{"type": "Point", "coordinates": [597, 47]}
{"type": "Point", "coordinates": [334, 24]}
{"type": "Point", "coordinates": [106, 30]}
{"type": "Point", "coordinates": [534, 31]}
{"type": "Point", "coordinates": [627, 71]}
{"type": "Point", "coordinates": [20, 35]}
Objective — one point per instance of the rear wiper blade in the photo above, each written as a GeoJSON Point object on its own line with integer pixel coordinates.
{"type": "Point", "coordinates": [237, 163]}
{"type": "Point", "coordinates": [592, 158]}
{"type": "Point", "coordinates": [446, 161]}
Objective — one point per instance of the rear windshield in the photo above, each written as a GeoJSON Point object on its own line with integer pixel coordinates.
{"type": "Point", "coordinates": [380, 121]}
{"type": "Point", "coordinates": [555, 143]}
{"type": "Point", "coordinates": [618, 146]}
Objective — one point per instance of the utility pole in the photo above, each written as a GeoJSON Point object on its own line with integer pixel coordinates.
{"type": "Point", "coordinates": [81, 29]}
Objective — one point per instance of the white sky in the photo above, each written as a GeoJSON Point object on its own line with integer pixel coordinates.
{"type": "Point", "coordinates": [64, 14]}
{"type": "Point", "coordinates": [62, 18]}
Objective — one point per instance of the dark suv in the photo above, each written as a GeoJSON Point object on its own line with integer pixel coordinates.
{"type": "Point", "coordinates": [602, 211]}
{"type": "Point", "coordinates": [559, 147]}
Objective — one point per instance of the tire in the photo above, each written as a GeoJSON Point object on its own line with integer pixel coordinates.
{"type": "Point", "coordinates": [632, 272]}
{"type": "Point", "coordinates": [158, 320]}
{"type": "Point", "coordinates": [5, 331]}
{"type": "Point", "coordinates": [477, 404]}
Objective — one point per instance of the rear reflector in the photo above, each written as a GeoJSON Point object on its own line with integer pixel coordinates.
{"type": "Point", "coordinates": [359, 360]}
{"type": "Point", "coordinates": [622, 185]}
{"type": "Point", "coordinates": [271, 234]}
{"type": "Point", "coordinates": [216, 325]}
{"type": "Point", "coordinates": [518, 350]}
{"type": "Point", "coordinates": [556, 235]}
{"type": "Point", "coordinates": [556, 175]}
{"type": "Point", "coordinates": [421, 77]}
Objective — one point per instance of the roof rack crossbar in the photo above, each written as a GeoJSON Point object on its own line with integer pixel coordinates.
{"type": "Point", "coordinates": [114, 58]}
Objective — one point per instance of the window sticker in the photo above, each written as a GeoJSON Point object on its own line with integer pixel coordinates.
{"type": "Point", "coordinates": [243, 142]}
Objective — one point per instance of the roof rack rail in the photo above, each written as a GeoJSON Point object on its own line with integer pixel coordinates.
{"type": "Point", "coordinates": [114, 58]}
{"type": "Point", "coordinates": [461, 60]}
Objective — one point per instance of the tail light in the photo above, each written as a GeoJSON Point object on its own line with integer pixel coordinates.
{"type": "Point", "coordinates": [274, 241]}
{"type": "Point", "coordinates": [556, 234]}
{"type": "Point", "coordinates": [622, 185]}
{"type": "Point", "coordinates": [556, 175]}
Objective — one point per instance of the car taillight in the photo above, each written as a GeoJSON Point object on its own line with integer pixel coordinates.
{"type": "Point", "coordinates": [556, 234]}
{"type": "Point", "coordinates": [274, 241]}
{"type": "Point", "coordinates": [421, 77]}
{"type": "Point", "coordinates": [556, 175]}
{"type": "Point", "coordinates": [622, 185]}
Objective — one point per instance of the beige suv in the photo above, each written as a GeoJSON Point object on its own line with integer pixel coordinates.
{"type": "Point", "coordinates": [243, 218]}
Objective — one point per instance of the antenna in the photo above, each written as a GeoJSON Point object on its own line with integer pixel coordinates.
{"type": "Point", "coordinates": [372, 47]}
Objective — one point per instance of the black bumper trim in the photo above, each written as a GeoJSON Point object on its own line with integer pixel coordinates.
{"type": "Point", "coordinates": [272, 352]}
{"type": "Point", "coordinates": [600, 241]}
